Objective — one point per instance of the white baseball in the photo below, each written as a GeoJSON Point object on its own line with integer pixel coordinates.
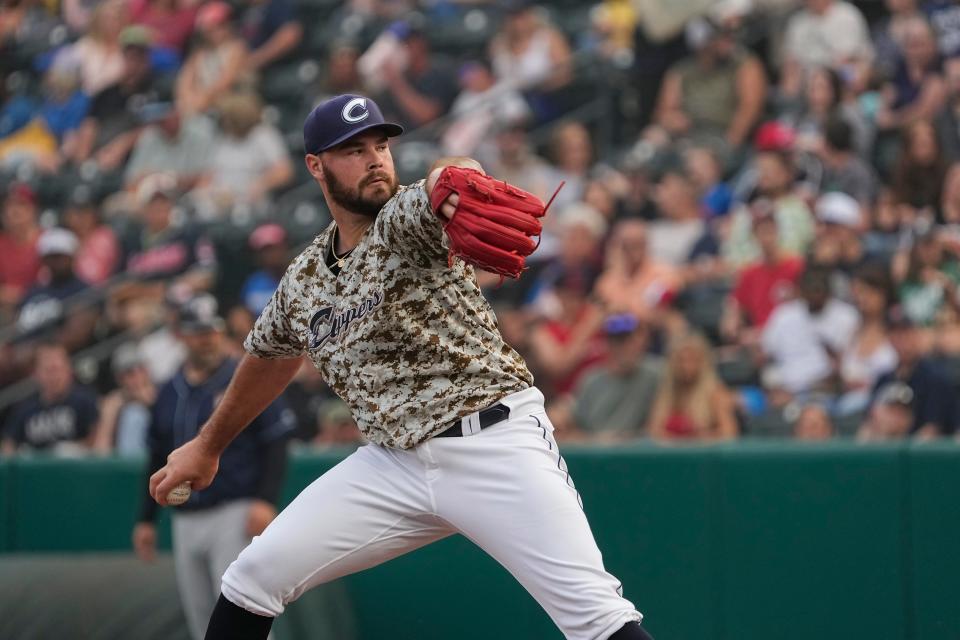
{"type": "Point", "coordinates": [179, 494]}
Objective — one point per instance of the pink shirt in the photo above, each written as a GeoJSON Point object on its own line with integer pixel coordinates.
{"type": "Point", "coordinates": [97, 257]}
{"type": "Point", "coordinates": [171, 29]}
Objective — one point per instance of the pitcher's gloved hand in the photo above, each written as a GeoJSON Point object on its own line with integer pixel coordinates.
{"type": "Point", "coordinates": [494, 224]}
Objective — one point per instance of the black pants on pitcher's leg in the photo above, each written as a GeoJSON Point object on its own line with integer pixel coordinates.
{"type": "Point", "coordinates": [631, 631]}
{"type": "Point", "coordinates": [230, 622]}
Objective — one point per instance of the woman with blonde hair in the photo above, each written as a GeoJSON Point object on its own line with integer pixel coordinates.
{"type": "Point", "coordinates": [99, 53]}
{"type": "Point", "coordinates": [692, 402]}
{"type": "Point", "coordinates": [216, 65]}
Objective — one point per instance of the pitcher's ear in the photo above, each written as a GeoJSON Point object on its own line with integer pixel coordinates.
{"type": "Point", "coordinates": [314, 166]}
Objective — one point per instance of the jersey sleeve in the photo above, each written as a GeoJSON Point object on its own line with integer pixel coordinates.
{"type": "Point", "coordinates": [272, 335]}
{"type": "Point", "coordinates": [412, 229]}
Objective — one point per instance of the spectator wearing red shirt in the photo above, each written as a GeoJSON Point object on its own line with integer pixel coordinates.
{"type": "Point", "coordinates": [763, 285]}
{"type": "Point", "coordinates": [569, 340]}
{"type": "Point", "coordinates": [19, 261]}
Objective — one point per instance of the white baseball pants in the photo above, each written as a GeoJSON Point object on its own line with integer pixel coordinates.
{"type": "Point", "coordinates": [506, 488]}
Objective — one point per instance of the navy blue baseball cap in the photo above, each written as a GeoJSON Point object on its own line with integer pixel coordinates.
{"type": "Point", "coordinates": [340, 118]}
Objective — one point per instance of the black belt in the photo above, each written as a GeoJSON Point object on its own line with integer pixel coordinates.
{"type": "Point", "coordinates": [487, 417]}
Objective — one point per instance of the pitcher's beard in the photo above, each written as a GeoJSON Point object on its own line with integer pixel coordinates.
{"type": "Point", "coordinates": [355, 201]}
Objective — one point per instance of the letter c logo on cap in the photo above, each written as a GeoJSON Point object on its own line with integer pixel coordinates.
{"type": "Point", "coordinates": [357, 104]}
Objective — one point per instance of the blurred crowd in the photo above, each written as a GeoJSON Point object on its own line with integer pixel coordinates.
{"type": "Point", "coordinates": [759, 232]}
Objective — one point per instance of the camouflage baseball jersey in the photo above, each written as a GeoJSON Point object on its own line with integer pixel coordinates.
{"type": "Point", "coordinates": [407, 341]}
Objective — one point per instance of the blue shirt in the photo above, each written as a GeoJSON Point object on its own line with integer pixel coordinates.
{"type": "Point", "coordinates": [181, 409]}
{"type": "Point", "coordinates": [257, 291]}
{"type": "Point", "coordinates": [39, 425]}
{"type": "Point", "coordinates": [47, 305]}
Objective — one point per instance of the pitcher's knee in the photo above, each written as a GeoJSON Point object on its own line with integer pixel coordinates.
{"type": "Point", "coordinates": [250, 582]}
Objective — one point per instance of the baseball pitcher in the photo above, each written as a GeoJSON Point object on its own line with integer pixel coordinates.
{"type": "Point", "coordinates": [386, 305]}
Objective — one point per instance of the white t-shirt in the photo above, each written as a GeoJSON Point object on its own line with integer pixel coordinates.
{"type": "Point", "coordinates": [237, 164]}
{"type": "Point", "coordinates": [672, 242]}
{"type": "Point", "coordinates": [796, 342]}
{"type": "Point", "coordinates": [836, 324]}
{"type": "Point", "coordinates": [840, 33]}
{"type": "Point", "coordinates": [865, 369]}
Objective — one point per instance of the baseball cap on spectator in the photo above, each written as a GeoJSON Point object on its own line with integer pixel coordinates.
{"type": "Point", "coordinates": [267, 235]}
{"type": "Point", "coordinates": [700, 32]}
{"type": "Point", "coordinates": [581, 214]}
{"type": "Point", "coordinates": [136, 36]}
{"type": "Point", "coordinates": [340, 118]}
{"type": "Point", "coordinates": [896, 393]}
{"type": "Point", "coordinates": [57, 242]}
{"type": "Point", "coordinates": [160, 185]}
{"type": "Point", "coordinates": [199, 315]}
{"type": "Point", "coordinates": [22, 191]}
{"type": "Point", "coordinates": [840, 209]}
{"type": "Point", "coordinates": [409, 27]}
{"type": "Point", "coordinates": [621, 324]}
{"type": "Point", "coordinates": [155, 111]}
{"type": "Point", "coordinates": [774, 136]}
{"type": "Point", "coordinates": [125, 358]}
{"type": "Point", "coordinates": [213, 14]}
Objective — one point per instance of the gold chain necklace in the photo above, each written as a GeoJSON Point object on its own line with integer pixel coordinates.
{"type": "Point", "coordinates": [340, 259]}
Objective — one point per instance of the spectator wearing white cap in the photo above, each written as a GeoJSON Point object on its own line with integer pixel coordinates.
{"type": "Point", "coordinates": [269, 242]}
{"type": "Point", "coordinates": [838, 244]}
{"type": "Point", "coordinates": [58, 300]}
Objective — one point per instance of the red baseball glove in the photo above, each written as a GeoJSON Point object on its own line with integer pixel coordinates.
{"type": "Point", "coordinates": [495, 222]}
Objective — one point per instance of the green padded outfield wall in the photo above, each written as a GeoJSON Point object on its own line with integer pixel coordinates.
{"type": "Point", "coordinates": [6, 531]}
{"type": "Point", "coordinates": [742, 541]}
{"type": "Point", "coordinates": [933, 550]}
